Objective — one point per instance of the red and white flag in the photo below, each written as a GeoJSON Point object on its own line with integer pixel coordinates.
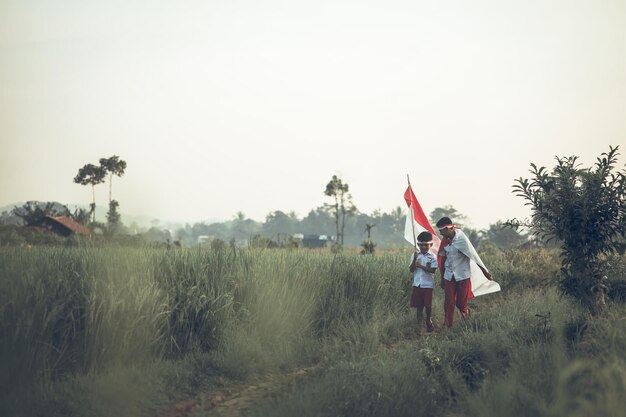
{"type": "Point", "coordinates": [417, 222]}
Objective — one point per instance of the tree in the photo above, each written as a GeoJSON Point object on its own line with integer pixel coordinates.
{"type": "Point", "coordinates": [113, 166]}
{"type": "Point", "coordinates": [318, 221]}
{"type": "Point", "coordinates": [474, 236]}
{"type": "Point", "coordinates": [80, 215]}
{"type": "Point", "coordinates": [448, 211]}
{"type": "Point", "coordinates": [368, 246]}
{"type": "Point", "coordinates": [279, 223]}
{"type": "Point", "coordinates": [342, 207]}
{"type": "Point", "coordinates": [585, 210]}
{"type": "Point", "coordinates": [113, 218]}
{"type": "Point", "coordinates": [242, 228]}
{"type": "Point", "coordinates": [91, 175]}
{"type": "Point", "coordinates": [503, 236]}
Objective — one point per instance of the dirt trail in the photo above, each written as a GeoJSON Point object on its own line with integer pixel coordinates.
{"type": "Point", "coordinates": [240, 399]}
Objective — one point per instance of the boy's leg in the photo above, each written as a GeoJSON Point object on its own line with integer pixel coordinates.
{"type": "Point", "coordinates": [429, 320]}
{"type": "Point", "coordinates": [462, 296]}
{"type": "Point", "coordinates": [420, 320]}
{"type": "Point", "coordinates": [428, 306]}
{"type": "Point", "coordinates": [449, 291]}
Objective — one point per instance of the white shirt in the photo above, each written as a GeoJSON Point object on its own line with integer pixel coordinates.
{"type": "Point", "coordinates": [421, 278]}
{"type": "Point", "coordinates": [456, 264]}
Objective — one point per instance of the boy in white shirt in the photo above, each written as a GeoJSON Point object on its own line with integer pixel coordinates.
{"type": "Point", "coordinates": [455, 252]}
{"type": "Point", "coordinates": [423, 264]}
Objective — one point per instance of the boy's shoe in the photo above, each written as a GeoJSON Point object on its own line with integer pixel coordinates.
{"type": "Point", "coordinates": [430, 327]}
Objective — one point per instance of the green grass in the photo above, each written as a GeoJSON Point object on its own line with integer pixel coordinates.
{"type": "Point", "coordinates": [90, 331]}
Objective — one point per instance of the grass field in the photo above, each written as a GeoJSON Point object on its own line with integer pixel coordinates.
{"type": "Point", "coordinates": [99, 331]}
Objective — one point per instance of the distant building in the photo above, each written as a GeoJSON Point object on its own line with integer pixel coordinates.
{"type": "Point", "coordinates": [64, 226]}
{"type": "Point", "coordinates": [311, 240]}
{"type": "Point", "coordinates": [205, 240]}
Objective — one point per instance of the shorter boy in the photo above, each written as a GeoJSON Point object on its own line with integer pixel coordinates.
{"type": "Point", "coordinates": [423, 264]}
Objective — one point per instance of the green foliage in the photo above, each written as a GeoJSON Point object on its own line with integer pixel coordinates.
{"type": "Point", "coordinates": [92, 175]}
{"type": "Point", "coordinates": [342, 206]}
{"type": "Point", "coordinates": [113, 165]}
{"type": "Point", "coordinates": [32, 213]}
{"type": "Point", "coordinates": [93, 330]}
{"type": "Point", "coordinates": [113, 218]}
{"type": "Point", "coordinates": [369, 247]}
{"type": "Point", "coordinates": [32, 236]}
{"type": "Point", "coordinates": [585, 210]}
{"type": "Point", "coordinates": [448, 211]}
{"type": "Point", "coordinates": [503, 236]}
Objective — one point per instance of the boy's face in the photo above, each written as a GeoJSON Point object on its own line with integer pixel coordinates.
{"type": "Point", "coordinates": [447, 231]}
{"type": "Point", "coordinates": [424, 247]}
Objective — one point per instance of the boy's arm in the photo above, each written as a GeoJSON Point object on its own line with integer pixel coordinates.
{"type": "Point", "coordinates": [428, 269]}
{"type": "Point", "coordinates": [443, 271]}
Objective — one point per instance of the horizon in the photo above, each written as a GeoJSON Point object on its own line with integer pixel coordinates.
{"type": "Point", "coordinates": [253, 107]}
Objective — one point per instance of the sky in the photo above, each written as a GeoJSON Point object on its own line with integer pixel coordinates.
{"type": "Point", "coordinates": [221, 107]}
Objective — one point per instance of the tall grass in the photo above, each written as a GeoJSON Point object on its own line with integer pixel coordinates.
{"type": "Point", "coordinates": [98, 314]}
{"type": "Point", "coordinates": [73, 311]}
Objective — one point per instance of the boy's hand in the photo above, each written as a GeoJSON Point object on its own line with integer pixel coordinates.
{"type": "Point", "coordinates": [442, 284]}
{"type": "Point", "coordinates": [486, 273]}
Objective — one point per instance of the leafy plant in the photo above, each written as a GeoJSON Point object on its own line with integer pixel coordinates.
{"type": "Point", "coordinates": [584, 209]}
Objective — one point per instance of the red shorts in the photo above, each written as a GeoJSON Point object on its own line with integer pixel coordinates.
{"type": "Point", "coordinates": [422, 297]}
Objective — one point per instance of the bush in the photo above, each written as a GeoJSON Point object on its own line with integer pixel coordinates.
{"type": "Point", "coordinates": [585, 210]}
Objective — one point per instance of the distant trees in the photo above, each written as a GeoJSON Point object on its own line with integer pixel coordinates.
{"type": "Point", "coordinates": [278, 222]}
{"type": "Point", "coordinates": [342, 206]}
{"type": "Point", "coordinates": [368, 245]}
{"type": "Point", "coordinates": [32, 213]}
{"type": "Point", "coordinates": [113, 166]}
{"type": "Point", "coordinates": [584, 209]}
{"type": "Point", "coordinates": [93, 175]}
{"type": "Point", "coordinates": [242, 228]}
{"type": "Point", "coordinates": [475, 236]}
{"type": "Point", "coordinates": [448, 211]}
{"type": "Point", "coordinates": [503, 236]}
{"type": "Point", "coordinates": [318, 221]}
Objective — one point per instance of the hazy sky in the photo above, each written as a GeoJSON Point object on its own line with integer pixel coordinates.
{"type": "Point", "coordinates": [252, 106]}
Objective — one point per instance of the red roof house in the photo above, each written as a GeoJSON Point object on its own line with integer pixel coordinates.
{"type": "Point", "coordinates": [64, 226]}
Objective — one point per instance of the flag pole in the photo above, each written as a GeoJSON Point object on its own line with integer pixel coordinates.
{"type": "Point", "coordinates": [412, 213]}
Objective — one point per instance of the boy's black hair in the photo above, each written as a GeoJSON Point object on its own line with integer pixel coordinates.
{"type": "Point", "coordinates": [443, 221]}
{"type": "Point", "coordinates": [424, 237]}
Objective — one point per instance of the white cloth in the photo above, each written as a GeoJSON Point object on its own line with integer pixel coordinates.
{"type": "Point", "coordinates": [480, 284]}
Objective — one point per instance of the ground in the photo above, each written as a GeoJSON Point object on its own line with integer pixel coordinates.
{"type": "Point", "coordinates": [240, 399]}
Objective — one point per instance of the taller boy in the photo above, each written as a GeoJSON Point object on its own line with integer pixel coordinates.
{"type": "Point", "coordinates": [454, 256]}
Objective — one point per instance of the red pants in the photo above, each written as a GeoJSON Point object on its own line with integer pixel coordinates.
{"type": "Point", "coordinates": [456, 294]}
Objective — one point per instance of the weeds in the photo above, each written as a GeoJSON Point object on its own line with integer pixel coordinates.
{"type": "Point", "coordinates": [91, 330]}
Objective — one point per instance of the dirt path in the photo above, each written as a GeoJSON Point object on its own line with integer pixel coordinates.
{"type": "Point", "coordinates": [240, 399]}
